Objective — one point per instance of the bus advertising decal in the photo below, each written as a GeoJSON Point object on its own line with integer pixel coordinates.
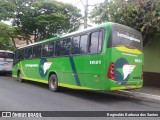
{"type": "Point", "coordinates": [128, 50]}
{"type": "Point", "coordinates": [127, 69]}
{"type": "Point", "coordinates": [31, 65]}
{"type": "Point", "coordinates": [127, 37]}
{"type": "Point", "coordinates": [74, 71]}
{"type": "Point", "coordinates": [44, 65]}
{"type": "Point", "coordinates": [123, 70]}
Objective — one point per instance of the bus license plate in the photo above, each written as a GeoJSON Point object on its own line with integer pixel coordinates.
{"type": "Point", "coordinates": [128, 86]}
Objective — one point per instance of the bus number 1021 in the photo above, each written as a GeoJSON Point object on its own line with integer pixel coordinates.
{"type": "Point", "coordinates": [95, 62]}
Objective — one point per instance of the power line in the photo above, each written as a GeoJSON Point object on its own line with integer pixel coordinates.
{"type": "Point", "coordinates": [77, 3]}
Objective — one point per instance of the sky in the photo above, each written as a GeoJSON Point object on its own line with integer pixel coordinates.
{"type": "Point", "coordinates": [80, 3]}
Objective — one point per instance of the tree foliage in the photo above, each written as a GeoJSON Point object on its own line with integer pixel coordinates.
{"type": "Point", "coordinates": [6, 10]}
{"type": "Point", "coordinates": [43, 18]}
{"type": "Point", "coordinates": [6, 34]}
{"type": "Point", "coordinates": [142, 15]}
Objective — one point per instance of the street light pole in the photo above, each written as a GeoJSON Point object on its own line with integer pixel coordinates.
{"type": "Point", "coordinates": [86, 14]}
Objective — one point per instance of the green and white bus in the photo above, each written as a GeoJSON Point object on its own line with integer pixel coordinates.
{"type": "Point", "coordinates": [107, 57]}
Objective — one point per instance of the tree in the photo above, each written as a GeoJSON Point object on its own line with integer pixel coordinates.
{"type": "Point", "coordinates": [142, 15]}
{"type": "Point", "coordinates": [6, 35]}
{"type": "Point", "coordinates": [43, 19]}
{"type": "Point", "coordinates": [6, 10]}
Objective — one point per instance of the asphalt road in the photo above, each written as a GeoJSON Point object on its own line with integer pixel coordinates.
{"type": "Point", "coordinates": [31, 96]}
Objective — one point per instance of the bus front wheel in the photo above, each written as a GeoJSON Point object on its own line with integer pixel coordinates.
{"type": "Point", "coordinates": [20, 76]}
{"type": "Point", "coordinates": [53, 83]}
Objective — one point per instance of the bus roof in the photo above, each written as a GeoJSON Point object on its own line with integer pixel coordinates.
{"type": "Point", "coordinates": [69, 34]}
{"type": "Point", "coordinates": [8, 51]}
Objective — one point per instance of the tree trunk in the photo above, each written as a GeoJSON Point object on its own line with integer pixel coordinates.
{"type": "Point", "coordinates": [13, 42]}
{"type": "Point", "coordinates": [30, 41]}
{"type": "Point", "coordinates": [27, 41]}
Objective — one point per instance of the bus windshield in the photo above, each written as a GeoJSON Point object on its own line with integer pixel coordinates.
{"type": "Point", "coordinates": [6, 55]}
{"type": "Point", "coordinates": [124, 36]}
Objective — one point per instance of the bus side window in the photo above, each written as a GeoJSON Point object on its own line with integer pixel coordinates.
{"type": "Point", "coordinates": [83, 44]}
{"type": "Point", "coordinates": [16, 55]}
{"type": "Point", "coordinates": [21, 54]}
{"type": "Point", "coordinates": [48, 49]}
{"type": "Point", "coordinates": [76, 45]}
{"type": "Point", "coordinates": [95, 42]}
{"type": "Point", "coordinates": [100, 41]}
{"type": "Point", "coordinates": [66, 47]}
{"type": "Point", "coordinates": [58, 48]}
{"type": "Point", "coordinates": [37, 51]}
{"type": "Point", "coordinates": [28, 53]}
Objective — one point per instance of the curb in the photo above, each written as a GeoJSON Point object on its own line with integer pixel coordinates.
{"type": "Point", "coordinates": [140, 95]}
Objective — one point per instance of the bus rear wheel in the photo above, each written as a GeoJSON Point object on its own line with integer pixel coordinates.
{"type": "Point", "coordinates": [53, 83]}
{"type": "Point", "coordinates": [20, 76]}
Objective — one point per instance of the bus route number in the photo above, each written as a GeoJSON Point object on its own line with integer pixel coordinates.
{"type": "Point", "coordinates": [95, 62]}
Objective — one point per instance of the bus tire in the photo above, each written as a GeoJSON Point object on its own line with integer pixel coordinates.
{"type": "Point", "coordinates": [53, 83]}
{"type": "Point", "coordinates": [20, 77]}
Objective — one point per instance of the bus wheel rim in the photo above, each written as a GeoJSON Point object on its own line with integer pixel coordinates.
{"type": "Point", "coordinates": [53, 83]}
{"type": "Point", "coordinates": [20, 77]}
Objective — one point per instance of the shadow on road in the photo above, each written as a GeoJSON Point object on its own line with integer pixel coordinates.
{"type": "Point", "coordinates": [96, 96]}
{"type": "Point", "coordinates": [37, 84]}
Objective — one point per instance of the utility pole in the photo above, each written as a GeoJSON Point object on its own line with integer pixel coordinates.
{"type": "Point", "coordinates": [85, 14]}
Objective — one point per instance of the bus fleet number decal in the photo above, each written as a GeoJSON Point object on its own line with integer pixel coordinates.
{"type": "Point", "coordinates": [95, 62]}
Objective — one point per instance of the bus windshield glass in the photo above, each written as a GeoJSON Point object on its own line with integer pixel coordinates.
{"type": "Point", "coordinates": [124, 36]}
{"type": "Point", "coordinates": [6, 55]}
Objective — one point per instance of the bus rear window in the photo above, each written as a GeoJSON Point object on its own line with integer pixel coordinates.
{"type": "Point", "coordinates": [125, 37]}
{"type": "Point", "coordinates": [6, 55]}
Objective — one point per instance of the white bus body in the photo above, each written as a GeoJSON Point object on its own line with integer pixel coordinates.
{"type": "Point", "coordinates": [6, 61]}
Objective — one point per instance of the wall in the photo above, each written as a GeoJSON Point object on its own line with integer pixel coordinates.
{"type": "Point", "coordinates": [152, 57]}
{"type": "Point", "coordinates": [152, 64]}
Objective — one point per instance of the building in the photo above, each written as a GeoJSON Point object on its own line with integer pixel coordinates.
{"type": "Point", "coordinates": [20, 42]}
{"type": "Point", "coordinates": [152, 63]}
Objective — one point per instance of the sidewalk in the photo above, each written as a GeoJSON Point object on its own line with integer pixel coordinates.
{"type": "Point", "coordinates": [148, 93]}
{"type": "Point", "coordinates": [145, 93]}
{"type": "Point", "coordinates": [150, 90]}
